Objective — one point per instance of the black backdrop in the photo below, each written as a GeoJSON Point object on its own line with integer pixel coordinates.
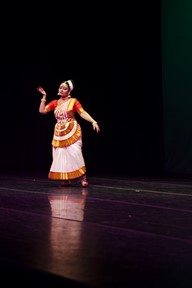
{"type": "Point", "coordinates": [113, 54]}
{"type": "Point", "coordinates": [177, 88]}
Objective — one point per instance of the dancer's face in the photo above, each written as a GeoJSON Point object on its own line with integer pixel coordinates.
{"type": "Point", "coordinates": [63, 90]}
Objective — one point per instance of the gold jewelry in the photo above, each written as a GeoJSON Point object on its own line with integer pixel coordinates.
{"type": "Point", "coordinates": [63, 100]}
{"type": "Point", "coordinates": [43, 100]}
{"type": "Point", "coordinates": [94, 122]}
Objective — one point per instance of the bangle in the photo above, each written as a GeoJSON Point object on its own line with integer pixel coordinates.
{"type": "Point", "coordinates": [43, 100]}
{"type": "Point", "coordinates": [94, 122]}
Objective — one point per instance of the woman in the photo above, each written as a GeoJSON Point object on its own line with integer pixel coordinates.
{"type": "Point", "coordinates": [68, 162]}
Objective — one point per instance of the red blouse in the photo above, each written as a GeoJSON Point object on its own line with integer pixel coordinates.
{"type": "Point", "coordinates": [77, 107]}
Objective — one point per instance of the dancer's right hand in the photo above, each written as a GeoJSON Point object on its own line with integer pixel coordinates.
{"type": "Point", "coordinates": [41, 90]}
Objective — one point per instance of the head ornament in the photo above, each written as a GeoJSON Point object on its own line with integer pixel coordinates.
{"type": "Point", "coordinates": [70, 84]}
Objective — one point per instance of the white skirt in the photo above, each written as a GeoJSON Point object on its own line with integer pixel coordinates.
{"type": "Point", "coordinates": [68, 162]}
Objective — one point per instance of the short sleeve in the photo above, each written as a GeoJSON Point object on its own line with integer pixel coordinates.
{"type": "Point", "coordinates": [51, 105]}
{"type": "Point", "coordinates": [78, 107]}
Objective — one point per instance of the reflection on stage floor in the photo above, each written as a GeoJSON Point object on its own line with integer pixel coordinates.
{"type": "Point", "coordinates": [114, 233]}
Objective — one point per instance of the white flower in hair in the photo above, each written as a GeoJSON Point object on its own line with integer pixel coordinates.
{"type": "Point", "coordinates": [70, 85]}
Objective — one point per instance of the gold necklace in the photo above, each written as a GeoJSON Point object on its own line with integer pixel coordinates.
{"type": "Point", "coordinates": [60, 101]}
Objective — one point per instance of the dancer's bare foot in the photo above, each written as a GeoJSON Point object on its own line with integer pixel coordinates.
{"type": "Point", "coordinates": [83, 181]}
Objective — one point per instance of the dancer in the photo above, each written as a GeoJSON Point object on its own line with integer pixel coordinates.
{"type": "Point", "coordinates": [68, 161]}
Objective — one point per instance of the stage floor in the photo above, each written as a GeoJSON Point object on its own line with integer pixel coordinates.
{"type": "Point", "coordinates": [114, 233]}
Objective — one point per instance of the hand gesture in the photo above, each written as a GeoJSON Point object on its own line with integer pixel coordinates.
{"type": "Point", "coordinates": [96, 127]}
{"type": "Point", "coordinates": [41, 90]}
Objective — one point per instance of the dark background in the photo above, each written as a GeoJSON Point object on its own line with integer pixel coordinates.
{"type": "Point", "coordinates": [114, 56]}
{"type": "Point", "coordinates": [176, 86]}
